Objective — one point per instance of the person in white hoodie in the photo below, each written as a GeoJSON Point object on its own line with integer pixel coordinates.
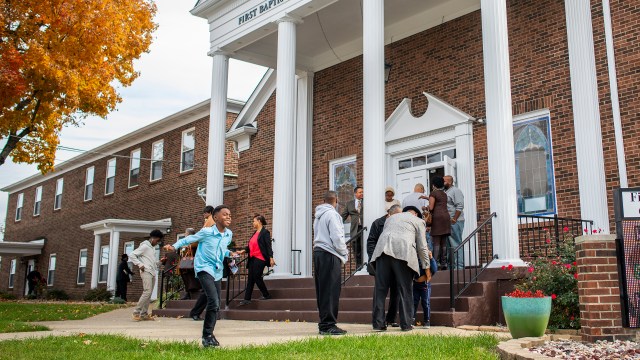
{"type": "Point", "coordinates": [329, 253]}
{"type": "Point", "coordinates": [144, 257]}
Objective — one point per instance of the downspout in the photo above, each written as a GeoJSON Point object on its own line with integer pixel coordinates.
{"type": "Point", "coordinates": [615, 103]}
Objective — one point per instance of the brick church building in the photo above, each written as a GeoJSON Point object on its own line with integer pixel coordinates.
{"type": "Point", "coordinates": [530, 105]}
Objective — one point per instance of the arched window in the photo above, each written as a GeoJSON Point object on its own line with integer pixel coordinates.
{"type": "Point", "coordinates": [535, 183]}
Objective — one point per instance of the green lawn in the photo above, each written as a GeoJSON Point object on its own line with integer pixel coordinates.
{"type": "Point", "coordinates": [14, 316]}
{"type": "Point", "coordinates": [375, 346]}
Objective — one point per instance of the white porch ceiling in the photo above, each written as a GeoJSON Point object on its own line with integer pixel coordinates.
{"type": "Point", "coordinates": [332, 33]}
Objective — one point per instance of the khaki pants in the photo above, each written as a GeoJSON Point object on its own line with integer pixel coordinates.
{"type": "Point", "coordinates": [148, 282]}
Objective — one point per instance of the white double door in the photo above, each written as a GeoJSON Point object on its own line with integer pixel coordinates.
{"type": "Point", "coordinates": [406, 180]}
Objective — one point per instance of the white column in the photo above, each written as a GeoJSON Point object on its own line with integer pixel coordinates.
{"type": "Point", "coordinates": [95, 266]}
{"type": "Point", "coordinates": [615, 102]}
{"type": "Point", "coordinates": [283, 169]}
{"type": "Point", "coordinates": [466, 180]}
{"type": "Point", "coordinates": [217, 129]}
{"type": "Point", "coordinates": [114, 245]}
{"type": "Point", "coordinates": [586, 115]}
{"type": "Point", "coordinates": [303, 204]}
{"type": "Point", "coordinates": [502, 173]}
{"type": "Point", "coordinates": [373, 111]}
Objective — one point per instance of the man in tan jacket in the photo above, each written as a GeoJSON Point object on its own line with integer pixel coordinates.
{"type": "Point", "coordinates": [396, 255]}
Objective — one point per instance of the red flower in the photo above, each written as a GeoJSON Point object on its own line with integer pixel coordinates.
{"type": "Point", "coordinates": [510, 267]}
{"type": "Point", "coordinates": [528, 294]}
{"type": "Point", "coordinates": [575, 263]}
{"type": "Point", "coordinates": [585, 230]}
{"type": "Point", "coordinates": [595, 231]}
{"type": "Point", "coordinates": [575, 275]}
{"type": "Point", "coordinates": [568, 266]}
{"type": "Point", "coordinates": [544, 229]}
{"type": "Point", "coordinates": [548, 241]}
{"type": "Point", "coordinates": [503, 267]}
{"type": "Point", "coordinates": [554, 262]}
{"type": "Point", "coordinates": [553, 296]}
{"type": "Point", "coordinates": [572, 318]}
{"type": "Point", "coordinates": [565, 229]}
{"type": "Point", "coordinates": [530, 269]}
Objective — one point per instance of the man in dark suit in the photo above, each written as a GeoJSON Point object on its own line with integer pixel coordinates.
{"type": "Point", "coordinates": [354, 209]}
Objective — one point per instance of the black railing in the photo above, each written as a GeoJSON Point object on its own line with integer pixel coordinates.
{"type": "Point", "coordinates": [543, 235]}
{"type": "Point", "coordinates": [477, 250]}
{"type": "Point", "coordinates": [237, 283]}
{"type": "Point", "coordinates": [170, 285]}
{"type": "Point", "coordinates": [353, 263]}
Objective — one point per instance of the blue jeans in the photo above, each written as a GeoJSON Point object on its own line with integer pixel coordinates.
{"type": "Point", "coordinates": [422, 292]}
{"type": "Point", "coordinates": [211, 288]}
{"type": "Point", "coordinates": [455, 239]}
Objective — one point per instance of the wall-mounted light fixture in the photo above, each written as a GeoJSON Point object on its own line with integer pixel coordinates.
{"type": "Point", "coordinates": [387, 70]}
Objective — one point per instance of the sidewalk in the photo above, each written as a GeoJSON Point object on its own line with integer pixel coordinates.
{"type": "Point", "coordinates": [230, 333]}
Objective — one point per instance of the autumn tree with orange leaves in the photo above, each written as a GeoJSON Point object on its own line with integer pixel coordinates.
{"type": "Point", "coordinates": [59, 63]}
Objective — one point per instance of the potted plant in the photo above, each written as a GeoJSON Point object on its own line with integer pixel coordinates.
{"type": "Point", "coordinates": [526, 312]}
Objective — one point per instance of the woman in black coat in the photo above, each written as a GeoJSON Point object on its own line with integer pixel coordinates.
{"type": "Point", "coordinates": [122, 279]}
{"type": "Point", "coordinates": [260, 256]}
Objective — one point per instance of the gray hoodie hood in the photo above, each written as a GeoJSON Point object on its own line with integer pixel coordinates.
{"type": "Point", "coordinates": [329, 232]}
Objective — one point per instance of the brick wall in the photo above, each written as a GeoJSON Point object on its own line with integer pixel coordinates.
{"type": "Point", "coordinates": [174, 196]}
{"type": "Point", "coordinates": [598, 289]}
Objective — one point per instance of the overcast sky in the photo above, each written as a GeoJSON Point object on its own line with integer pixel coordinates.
{"type": "Point", "coordinates": [174, 75]}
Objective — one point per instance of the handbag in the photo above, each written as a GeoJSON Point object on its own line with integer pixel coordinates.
{"type": "Point", "coordinates": [187, 260]}
{"type": "Point", "coordinates": [433, 266]}
{"type": "Point", "coordinates": [428, 218]}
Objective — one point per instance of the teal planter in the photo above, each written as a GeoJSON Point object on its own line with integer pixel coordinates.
{"type": "Point", "coordinates": [526, 317]}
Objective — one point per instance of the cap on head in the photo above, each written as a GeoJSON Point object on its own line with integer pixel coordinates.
{"type": "Point", "coordinates": [389, 188]}
{"type": "Point", "coordinates": [415, 209]}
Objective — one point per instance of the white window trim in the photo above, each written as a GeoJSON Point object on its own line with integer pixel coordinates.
{"type": "Point", "coordinates": [12, 271]}
{"type": "Point", "coordinates": [182, 146]}
{"type": "Point", "coordinates": [61, 182]}
{"type": "Point", "coordinates": [131, 166]}
{"type": "Point", "coordinates": [101, 264]}
{"type": "Point", "coordinates": [86, 177]}
{"type": "Point", "coordinates": [151, 179]}
{"type": "Point", "coordinates": [106, 179]}
{"type": "Point", "coordinates": [530, 116]}
{"type": "Point", "coordinates": [37, 201]}
{"type": "Point", "coordinates": [54, 255]}
{"type": "Point", "coordinates": [19, 206]}
{"type": "Point", "coordinates": [86, 251]}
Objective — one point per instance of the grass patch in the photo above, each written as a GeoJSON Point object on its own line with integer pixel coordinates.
{"type": "Point", "coordinates": [14, 316]}
{"type": "Point", "coordinates": [97, 347]}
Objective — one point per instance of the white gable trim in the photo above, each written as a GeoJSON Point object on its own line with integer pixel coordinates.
{"type": "Point", "coordinates": [439, 115]}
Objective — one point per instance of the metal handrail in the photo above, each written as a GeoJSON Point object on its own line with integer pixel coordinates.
{"type": "Point", "coordinates": [543, 235]}
{"type": "Point", "coordinates": [348, 273]}
{"type": "Point", "coordinates": [475, 271]}
{"type": "Point", "coordinates": [164, 296]}
{"type": "Point", "coordinates": [237, 278]}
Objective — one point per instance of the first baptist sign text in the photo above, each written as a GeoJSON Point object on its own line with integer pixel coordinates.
{"type": "Point", "coordinates": [258, 10]}
{"type": "Point", "coordinates": [631, 203]}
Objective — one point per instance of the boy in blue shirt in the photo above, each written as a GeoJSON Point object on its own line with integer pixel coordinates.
{"type": "Point", "coordinates": [208, 265]}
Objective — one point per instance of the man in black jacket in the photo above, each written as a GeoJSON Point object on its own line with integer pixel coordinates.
{"type": "Point", "coordinates": [122, 279]}
{"type": "Point", "coordinates": [376, 229]}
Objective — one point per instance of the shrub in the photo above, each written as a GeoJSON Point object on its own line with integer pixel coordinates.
{"type": "Point", "coordinates": [117, 300]}
{"type": "Point", "coordinates": [7, 296]}
{"type": "Point", "coordinates": [57, 294]}
{"type": "Point", "coordinates": [99, 294]}
{"type": "Point", "coordinates": [555, 276]}
{"type": "Point", "coordinates": [31, 297]}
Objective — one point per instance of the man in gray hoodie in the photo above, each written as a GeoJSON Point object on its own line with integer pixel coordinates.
{"type": "Point", "coordinates": [329, 253]}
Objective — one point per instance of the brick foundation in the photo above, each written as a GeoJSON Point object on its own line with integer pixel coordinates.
{"type": "Point", "coordinates": [598, 289]}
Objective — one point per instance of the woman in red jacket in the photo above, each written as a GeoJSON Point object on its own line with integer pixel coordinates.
{"type": "Point", "coordinates": [260, 256]}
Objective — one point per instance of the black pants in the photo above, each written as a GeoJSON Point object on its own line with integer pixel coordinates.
{"type": "Point", "coordinates": [388, 271]}
{"type": "Point", "coordinates": [121, 289]}
{"type": "Point", "coordinates": [32, 287]}
{"type": "Point", "coordinates": [356, 247]}
{"type": "Point", "coordinates": [327, 278]}
{"type": "Point", "coordinates": [211, 289]}
{"type": "Point", "coordinates": [200, 305]}
{"type": "Point", "coordinates": [256, 268]}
